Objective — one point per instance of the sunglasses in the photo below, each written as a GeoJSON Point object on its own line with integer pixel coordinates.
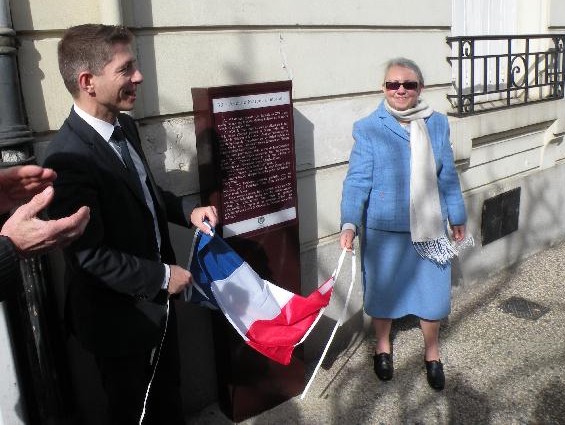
{"type": "Point", "coordinates": [395, 85]}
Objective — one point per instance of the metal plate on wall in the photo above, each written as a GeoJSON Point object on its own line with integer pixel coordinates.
{"type": "Point", "coordinates": [500, 216]}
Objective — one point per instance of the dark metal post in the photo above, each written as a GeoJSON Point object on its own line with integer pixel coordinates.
{"type": "Point", "coordinates": [15, 136]}
{"type": "Point", "coordinates": [32, 316]}
{"type": "Point", "coordinates": [509, 77]}
{"type": "Point", "coordinates": [460, 77]}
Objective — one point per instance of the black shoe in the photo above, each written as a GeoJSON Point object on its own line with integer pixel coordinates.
{"type": "Point", "coordinates": [382, 363]}
{"type": "Point", "coordinates": [434, 371]}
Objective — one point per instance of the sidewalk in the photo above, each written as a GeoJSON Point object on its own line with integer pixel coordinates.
{"type": "Point", "coordinates": [503, 349]}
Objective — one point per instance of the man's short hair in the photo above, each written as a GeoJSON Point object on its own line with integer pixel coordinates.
{"type": "Point", "coordinates": [88, 48]}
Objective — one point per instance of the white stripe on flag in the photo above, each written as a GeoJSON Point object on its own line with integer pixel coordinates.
{"type": "Point", "coordinates": [244, 297]}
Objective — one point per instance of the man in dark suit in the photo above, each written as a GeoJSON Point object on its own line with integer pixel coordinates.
{"type": "Point", "coordinates": [120, 273]}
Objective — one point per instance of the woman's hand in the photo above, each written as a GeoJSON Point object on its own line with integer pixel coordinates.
{"type": "Point", "coordinates": [346, 239]}
{"type": "Point", "coordinates": [458, 232]}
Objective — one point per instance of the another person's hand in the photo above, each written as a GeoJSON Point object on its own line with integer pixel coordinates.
{"type": "Point", "coordinates": [458, 232]}
{"type": "Point", "coordinates": [346, 239]}
{"type": "Point", "coordinates": [18, 184]}
{"type": "Point", "coordinates": [180, 278]}
{"type": "Point", "coordinates": [31, 235]}
{"type": "Point", "coordinates": [200, 214]}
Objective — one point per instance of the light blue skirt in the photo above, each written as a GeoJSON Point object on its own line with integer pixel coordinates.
{"type": "Point", "coordinates": [398, 282]}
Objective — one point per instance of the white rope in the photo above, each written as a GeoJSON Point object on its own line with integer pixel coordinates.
{"type": "Point", "coordinates": [333, 277]}
{"type": "Point", "coordinates": [156, 354]}
{"type": "Point", "coordinates": [340, 320]}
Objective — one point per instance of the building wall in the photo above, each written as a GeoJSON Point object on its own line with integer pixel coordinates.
{"type": "Point", "coordinates": [11, 408]}
{"type": "Point", "coordinates": [334, 55]}
{"type": "Point", "coordinates": [556, 15]}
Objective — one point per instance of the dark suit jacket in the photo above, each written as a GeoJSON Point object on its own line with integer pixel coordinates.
{"type": "Point", "coordinates": [114, 271]}
{"type": "Point", "coordinates": [9, 267]}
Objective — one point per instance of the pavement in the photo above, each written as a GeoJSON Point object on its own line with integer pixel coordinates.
{"type": "Point", "coordinates": [503, 349]}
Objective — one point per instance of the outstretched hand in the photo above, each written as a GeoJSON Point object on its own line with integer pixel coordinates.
{"type": "Point", "coordinates": [18, 184]}
{"type": "Point", "coordinates": [31, 235]}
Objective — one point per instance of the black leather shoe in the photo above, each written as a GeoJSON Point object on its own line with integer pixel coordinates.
{"type": "Point", "coordinates": [382, 363]}
{"type": "Point", "coordinates": [434, 371]}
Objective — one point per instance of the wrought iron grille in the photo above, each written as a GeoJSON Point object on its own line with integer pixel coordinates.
{"type": "Point", "coordinates": [494, 72]}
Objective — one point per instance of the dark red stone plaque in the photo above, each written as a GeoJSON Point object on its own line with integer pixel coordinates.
{"type": "Point", "coordinates": [245, 145]}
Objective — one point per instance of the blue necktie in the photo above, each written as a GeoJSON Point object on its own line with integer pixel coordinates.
{"type": "Point", "coordinates": [120, 139]}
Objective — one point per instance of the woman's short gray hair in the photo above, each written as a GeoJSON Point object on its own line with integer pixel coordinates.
{"type": "Point", "coordinates": [405, 63]}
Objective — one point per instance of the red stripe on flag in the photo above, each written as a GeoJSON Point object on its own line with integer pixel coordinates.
{"type": "Point", "coordinates": [276, 338]}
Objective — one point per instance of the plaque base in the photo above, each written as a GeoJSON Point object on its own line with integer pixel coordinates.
{"type": "Point", "coordinates": [248, 382]}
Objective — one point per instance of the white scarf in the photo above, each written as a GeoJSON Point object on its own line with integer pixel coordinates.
{"type": "Point", "coordinates": [427, 228]}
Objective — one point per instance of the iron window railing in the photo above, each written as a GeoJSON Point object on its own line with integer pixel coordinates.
{"type": "Point", "coordinates": [494, 72]}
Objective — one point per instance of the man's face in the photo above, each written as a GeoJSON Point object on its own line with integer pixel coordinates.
{"type": "Point", "coordinates": [401, 99]}
{"type": "Point", "coordinates": [115, 87]}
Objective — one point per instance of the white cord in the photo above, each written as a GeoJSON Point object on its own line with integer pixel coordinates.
{"type": "Point", "coordinates": [339, 322]}
{"type": "Point", "coordinates": [158, 353]}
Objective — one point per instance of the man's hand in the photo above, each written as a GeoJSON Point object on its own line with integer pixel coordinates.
{"type": "Point", "coordinates": [200, 214]}
{"type": "Point", "coordinates": [18, 184]}
{"type": "Point", "coordinates": [180, 278]}
{"type": "Point", "coordinates": [31, 236]}
{"type": "Point", "coordinates": [346, 239]}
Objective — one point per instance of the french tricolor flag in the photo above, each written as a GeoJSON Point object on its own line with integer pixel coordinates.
{"type": "Point", "coordinates": [269, 318]}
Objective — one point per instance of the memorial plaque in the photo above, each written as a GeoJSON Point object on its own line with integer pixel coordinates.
{"type": "Point", "coordinates": [245, 145]}
{"type": "Point", "coordinates": [256, 161]}
{"type": "Point", "coordinates": [501, 215]}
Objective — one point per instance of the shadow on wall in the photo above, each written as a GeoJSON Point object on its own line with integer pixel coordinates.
{"type": "Point", "coordinates": [28, 64]}
{"type": "Point", "coordinates": [306, 192]}
{"type": "Point", "coordinates": [320, 260]}
{"type": "Point", "coordinates": [31, 72]}
{"type": "Point", "coordinates": [311, 273]}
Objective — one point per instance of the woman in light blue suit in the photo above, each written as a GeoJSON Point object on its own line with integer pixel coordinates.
{"type": "Point", "coordinates": [402, 188]}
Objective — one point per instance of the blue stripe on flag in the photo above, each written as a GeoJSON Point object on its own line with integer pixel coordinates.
{"type": "Point", "coordinates": [212, 260]}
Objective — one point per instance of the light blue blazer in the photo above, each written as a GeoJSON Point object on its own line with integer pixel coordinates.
{"type": "Point", "coordinates": [376, 190]}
